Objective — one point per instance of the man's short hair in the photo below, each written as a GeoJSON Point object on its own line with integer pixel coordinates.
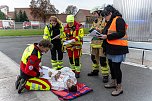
{"type": "Point", "coordinates": [45, 43]}
{"type": "Point", "coordinates": [73, 88]}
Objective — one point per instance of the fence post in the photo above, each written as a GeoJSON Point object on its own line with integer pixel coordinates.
{"type": "Point", "coordinates": [143, 57]}
{"type": "Point", "coordinates": [14, 25]}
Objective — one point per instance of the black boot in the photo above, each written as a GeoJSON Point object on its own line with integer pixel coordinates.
{"type": "Point", "coordinates": [17, 81]}
{"type": "Point", "coordinates": [105, 79]}
{"type": "Point", "coordinates": [77, 75]}
{"type": "Point", "coordinates": [21, 86]}
{"type": "Point", "coordinates": [94, 73]}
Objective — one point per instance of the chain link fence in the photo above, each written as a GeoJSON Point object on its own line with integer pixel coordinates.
{"type": "Point", "coordinates": [31, 25]}
{"type": "Point", "coordinates": [132, 30]}
{"type": "Point", "coordinates": [27, 25]}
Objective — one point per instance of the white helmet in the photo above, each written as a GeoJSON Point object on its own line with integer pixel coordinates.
{"type": "Point", "coordinates": [98, 8]}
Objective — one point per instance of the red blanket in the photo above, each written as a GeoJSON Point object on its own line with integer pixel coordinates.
{"type": "Point", "coordinates": [66, 95]}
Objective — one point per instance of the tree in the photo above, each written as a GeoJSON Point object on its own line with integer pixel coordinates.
{"type": "Point", "coordinates": [42, 9]}
{"type": "Point", "coordinates": [25, 18]}
{"type": "Point", "coordinates": [2, 15]}
{"type": "Point", "coordinates": [71, 10]}
{"type": "Point", "coordinates": [16, 17]}
{"type": "Point", "coordinates": [20, 16]}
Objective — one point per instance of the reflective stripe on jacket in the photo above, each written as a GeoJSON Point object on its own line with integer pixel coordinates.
{"type": "Point", "coordinates": [76, 32]}
{"type": "Point", "coordinates": [38, 84]}
{"type": "Point", "coordinates": [27, 52]}
{"type": "Point", "coordinates": [30, 61]}
{"type": "Point", "coordinates": [48, 32]}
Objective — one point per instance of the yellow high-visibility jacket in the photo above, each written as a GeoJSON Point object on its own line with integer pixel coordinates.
{"type": "Point", "coordinates": [76, 32]}
{"type": "Point", "coordinates": [48, 31]}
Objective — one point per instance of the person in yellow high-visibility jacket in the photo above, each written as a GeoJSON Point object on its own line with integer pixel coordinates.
{"type": "Point", "coordinates": [74, 33]}
{"type": "Point", "coordinates": [53, 32]}
{"type": "Point", "coordinates": [97, 56]}
{"type": "Point", "coordinates": [30, 63]}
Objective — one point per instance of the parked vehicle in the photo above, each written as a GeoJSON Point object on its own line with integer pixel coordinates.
{"type": "Point", "coordinates": [7, 24]}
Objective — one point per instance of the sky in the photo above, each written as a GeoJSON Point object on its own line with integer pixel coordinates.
{"type": "Point", "coordinates": [61, 5]}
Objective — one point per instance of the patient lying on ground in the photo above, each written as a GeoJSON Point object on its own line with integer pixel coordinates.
{"type": "Point", "coordinates": [63, 79]}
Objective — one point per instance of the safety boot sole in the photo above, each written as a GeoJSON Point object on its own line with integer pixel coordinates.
{"type": "Point", "coordinates": [117, 94]}
{"type": "Point", "coordinates": [17, 81]}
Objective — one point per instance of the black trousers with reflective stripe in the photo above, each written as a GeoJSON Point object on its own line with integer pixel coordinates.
{"type": "Point", "coordinates": [57, 50]}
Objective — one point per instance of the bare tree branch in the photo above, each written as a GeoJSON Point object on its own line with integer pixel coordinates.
{"type": "Point", "coordinates": [42, 9]}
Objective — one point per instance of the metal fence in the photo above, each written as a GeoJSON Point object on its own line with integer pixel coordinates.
{"type": "Point", "coordinates": [20, 25]}
{"type": "Point", "coordinates": [138, 30]}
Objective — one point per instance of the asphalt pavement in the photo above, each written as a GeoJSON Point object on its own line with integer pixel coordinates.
{"type": "Point", "coordinates": [136, 80]}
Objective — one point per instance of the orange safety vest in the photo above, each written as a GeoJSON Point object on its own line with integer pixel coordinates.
{"type": "Point", "coordinates": [112, 29]}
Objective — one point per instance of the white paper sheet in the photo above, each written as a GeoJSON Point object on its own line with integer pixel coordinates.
{"type": "Point", "coordinates": [67, 42]}
{"type": "Point", "coordinates": [95, 33]}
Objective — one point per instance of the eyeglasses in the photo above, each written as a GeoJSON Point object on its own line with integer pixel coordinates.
{"type": "Point", "coordinates": [105, 13]}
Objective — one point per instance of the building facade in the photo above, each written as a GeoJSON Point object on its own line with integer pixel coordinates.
{"type": "Point", "coordinates": [84, 16]}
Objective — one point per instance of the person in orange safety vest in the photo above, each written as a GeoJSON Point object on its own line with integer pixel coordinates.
{"type": "Point", "coordinates": [116, 46]}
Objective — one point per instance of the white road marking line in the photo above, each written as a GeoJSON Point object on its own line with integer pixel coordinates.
{"type": "Point", "coordinates": [128, 63]}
